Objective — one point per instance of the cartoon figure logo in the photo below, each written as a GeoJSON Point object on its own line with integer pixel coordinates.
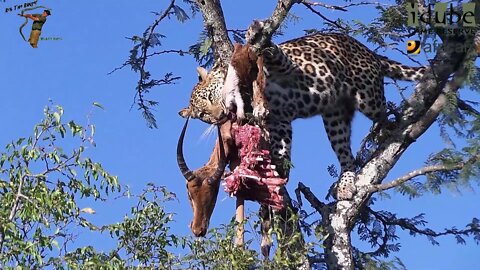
{"type": "Point", "coordinates": [38, 22]}
{"type": "Point", "coordinates": [413, 46]}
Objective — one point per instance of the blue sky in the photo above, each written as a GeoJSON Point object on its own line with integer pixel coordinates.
{"type": "Point", "coordinates": [73, 73]}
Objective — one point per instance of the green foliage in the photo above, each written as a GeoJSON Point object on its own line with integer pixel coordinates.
{"type": "Point", "coordinates": [144, 236]}
{"type": "Point", "coordinates": [202, 51]}
{"type": "Point", "coordinates": [218, 251]}
{"type": "Point", "coordinates": [367, 262]}
{"type": "Point", "coordinates": [40, 186]}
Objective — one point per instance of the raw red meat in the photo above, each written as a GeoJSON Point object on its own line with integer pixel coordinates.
{"type": "Point", "coordinates": [255, 178]}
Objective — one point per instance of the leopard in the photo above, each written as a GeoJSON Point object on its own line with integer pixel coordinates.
{"type": "Point", "coordinates": [328, 74]}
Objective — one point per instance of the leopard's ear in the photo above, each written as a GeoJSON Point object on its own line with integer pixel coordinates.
{"type": "Point", "coordinates": [202, 73]}
{"type": "Point", "coordinates": [185, 112]}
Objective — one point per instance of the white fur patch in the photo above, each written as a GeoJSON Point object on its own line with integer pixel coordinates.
{"type": "Point", "coordinates": [231, 92]}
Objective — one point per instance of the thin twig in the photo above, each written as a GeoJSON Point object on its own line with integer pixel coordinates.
{"type": "Point", "coordinates": [344, 7]}
{"type": "Point", "coordinates": [128, 62]}
{"type": "Point", "coordinates": [422, 171]}
{"type": "Point", "coordinates": [322, 16]}
{"type": "Point", "coordinates": [464, 106]}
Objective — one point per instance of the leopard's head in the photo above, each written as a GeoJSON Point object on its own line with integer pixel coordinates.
{"type": "Point", "coordinates": [206, 101]}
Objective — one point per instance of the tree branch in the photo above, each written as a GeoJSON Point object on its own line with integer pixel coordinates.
{"type": "Point", "coordinates": [407, 224]}
{"type": "Point", "coordinates": [311, 198]}
{"type": "Point", "coordinates": [271, 24]}
{"type": "Point", "coordinates": [214, 22]}
{"type": "Point", "coordinates": [418, 114]}
{"type": "Point", "coordinates": [13, 210]}
{"type": "Point", "coordinates": [341, 8]}
{"type": "Point", "coordinates": [413, 174]}
{"type": "Point", "coordinates": [464, 106]}
{"type": "Point", "coordinates": [130, 62]}
{"type": "Point", "coordinates": [309, 6]}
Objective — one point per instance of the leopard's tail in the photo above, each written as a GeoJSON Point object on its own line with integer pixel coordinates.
{"type": "Point", "coordinates": [397, 71]}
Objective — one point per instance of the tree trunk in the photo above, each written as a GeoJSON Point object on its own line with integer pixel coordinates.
{"type": "Point", "coordinates": [215, 24]}
{"type": "Point", "coordinates": [338, 251]}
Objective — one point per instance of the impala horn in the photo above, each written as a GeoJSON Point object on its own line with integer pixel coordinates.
{"type": "Point", "coordinates": [222, 162]}
{"type": "Point", "coordinates": [187, 173]}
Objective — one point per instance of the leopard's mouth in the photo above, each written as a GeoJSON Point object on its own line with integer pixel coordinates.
{"type": "Point", "coordinates": [222, 120]}
{"type": "Point", "coordinates": [232, 116]}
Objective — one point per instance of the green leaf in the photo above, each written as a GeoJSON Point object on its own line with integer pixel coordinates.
{"type": "Point", "coordinates": [57, 117]}
{"type": "Point", "coordinates": [180, 13]}
{"type": "Point", "coordinates": [96, 104]}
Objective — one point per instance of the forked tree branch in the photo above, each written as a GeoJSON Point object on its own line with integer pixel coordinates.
{"type": "Point", "coordinates": [271, 24]}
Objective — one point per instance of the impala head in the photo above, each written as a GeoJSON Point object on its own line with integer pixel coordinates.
{"type": "Point", "coordinates": [206, 101]}
{"type": "Point", "coordinates": [202, 184]}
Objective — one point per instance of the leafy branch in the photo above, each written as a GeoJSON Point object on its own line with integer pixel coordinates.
{"type": "Point", "coordinates": [140, 53]}
{"type": "Point", "coordinates": [414, 227]}
{"type": "Point", "coordinates": [39, 185]}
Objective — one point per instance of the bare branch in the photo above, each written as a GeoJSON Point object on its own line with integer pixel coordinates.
{"type": "Point", "coordinates": [311, 198]}
{"type": "Point", "coordinates": [309, 6]}
{"type": "Point", "coordinates": [413, 174]}
{"type": "Point", "coordinates": [418, 113]}
{"type": "Point", "coordinates": [423, 171]}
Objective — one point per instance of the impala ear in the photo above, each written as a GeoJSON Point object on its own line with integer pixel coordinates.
{"type": "Point", "coordinates": [202, 73]}
{"type": "Point", "coordinates": [185, 112]}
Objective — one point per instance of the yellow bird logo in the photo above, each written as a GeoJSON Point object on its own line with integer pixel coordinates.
{"type": "Point", "coordinates": [413, 46]}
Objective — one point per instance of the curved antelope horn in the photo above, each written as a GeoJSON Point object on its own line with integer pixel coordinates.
{"type": "Point", "coordinates": [222, 162]}
{"type": "Point", "coordinates": [187, 173]}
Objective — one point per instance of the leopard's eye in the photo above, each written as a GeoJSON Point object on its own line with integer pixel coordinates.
{"type": "Point", "coordinates": [201, 115]}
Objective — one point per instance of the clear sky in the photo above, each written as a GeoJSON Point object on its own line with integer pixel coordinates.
{"type": "Point", "coordinates": [73, 73]}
